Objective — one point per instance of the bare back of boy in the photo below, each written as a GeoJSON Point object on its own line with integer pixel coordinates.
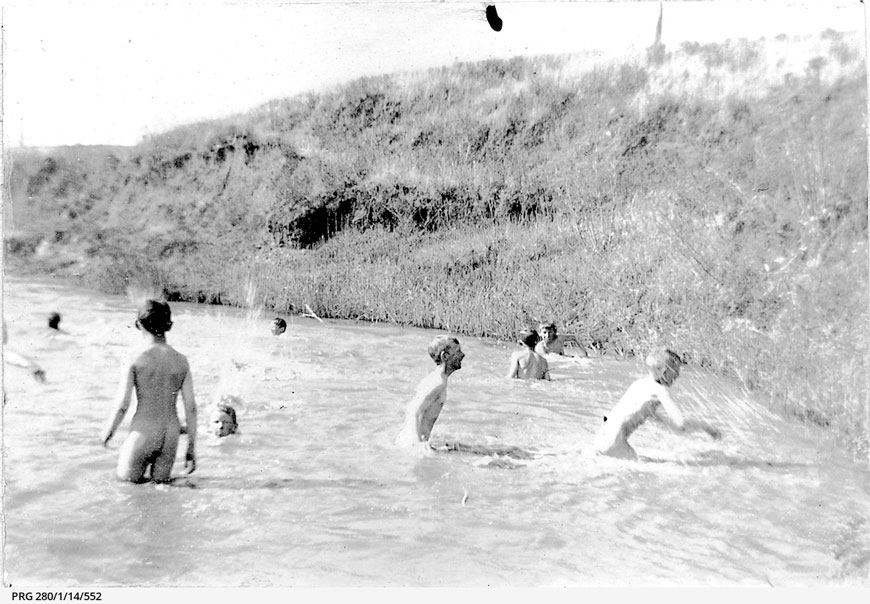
{"type": "Point", "coordinates": [158, 375]}
{"type": "Point", "coordinates": [529, 365]}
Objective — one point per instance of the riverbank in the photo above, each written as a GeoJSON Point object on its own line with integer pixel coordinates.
{"type": "Point", "coordinates": [644, 202]}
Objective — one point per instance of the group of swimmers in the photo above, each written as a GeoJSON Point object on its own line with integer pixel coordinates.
{"type": "Point", "coordinates": [530, 363]}
{"type": "Point", "coordinates": [640, 402]}
{"type": "Point", "coordinates": [158, 373]}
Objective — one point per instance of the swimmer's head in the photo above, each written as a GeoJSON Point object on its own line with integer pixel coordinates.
{"type": "Point", "coordinates": [664, 365]}
{"type": "Point", "coordinates": [529, 337]}
{"type": "Point", "coordinates": [446, 350]}
{"type": "Point", "coordinates": [548, 331]}
{"type": "Point", "coordinates": [154, 317]}
{"type": "Point", "coordinates": [278, 326]}
{"type": "Point", "coordinates": [223, 421]}
{"type": "Point", "coordinates": [54, 320]}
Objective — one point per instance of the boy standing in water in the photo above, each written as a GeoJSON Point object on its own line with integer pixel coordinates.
{"type": "Point", "coordinates": [424, 408]}
{"type": "Point", "coordinates": [527, 364]}
{"type": "Point", "coordinates": [640, 402]}
{"type": "Point", "coordinates": [158, 374]}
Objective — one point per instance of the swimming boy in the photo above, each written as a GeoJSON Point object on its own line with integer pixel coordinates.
{"type": "Point", "coordinates": [552, 343]}
{"type": "Point", "coordinates": [423, 410]}
{"type": "Point", "coordinates": [55, 332]}
{"type": "Point", "coordinates": [19, 360]}
{"type": "Point", "coordinates": [278, 326]}
{"type": "Point", "coordinates": [527, 364]}
{"type": "Point", "coordinates": [223, 420]}
{"type": "Point", "coordinates": [640, 402]}
{"type": "Point", "coordinates": [157, 373]}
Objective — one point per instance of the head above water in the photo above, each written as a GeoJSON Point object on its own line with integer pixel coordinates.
{"type": "Point", "coordinates": [278, 326]}
{"type": "Point", "coordinates": [54, 320]}
{"type": "Point", "coordinates": [548, 331]}
{"type": "Point", "coordinates": [446, 350]}
{"type": "Point", "coordinates": [155, 317]}
{"type": "Point", "coordinates": [529, 337]}
{"type": "Point", "coordinates": [223, 420]}
{"type": "Point", "coordinates": [664, 365]}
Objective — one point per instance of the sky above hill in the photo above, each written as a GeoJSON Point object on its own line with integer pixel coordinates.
{"type": "Point", "coordinates": [99, 72]}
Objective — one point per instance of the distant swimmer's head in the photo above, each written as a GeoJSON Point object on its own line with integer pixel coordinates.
{"type": "Point", "coordinates": [223, 421]}
{"type": "Point", "coordinates": [529, 337]}
{"type": "Point", "coordinates": [548, 331]}
{"type": "Point", "coordinates": [445, 350]}
{"type": "Point", "coordinates": [54, 320]}
{"type": "Point", "coordinates": [278, 326]}
{"type": "Point", "coordinates": [664, 365]}
{"type": "Point", "coordinates": [154, 317]}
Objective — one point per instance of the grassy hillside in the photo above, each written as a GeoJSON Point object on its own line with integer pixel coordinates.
{"type": "Point", "coordinates": [710, 197]}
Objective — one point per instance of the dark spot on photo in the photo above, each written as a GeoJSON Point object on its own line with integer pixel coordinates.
{"type": "Point", "coordinates": [492, 18]}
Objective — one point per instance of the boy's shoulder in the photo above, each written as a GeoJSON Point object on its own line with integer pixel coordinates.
{"type": "Point", "coordinates": [432, 380]}
{"type": "Point", "coordinates": [154, 352]}
{"type": "Point", "coordinates": [648, 384]}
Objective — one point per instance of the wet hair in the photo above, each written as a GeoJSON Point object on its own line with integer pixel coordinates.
{"type": "Point", "coordinates": [439, 345]}
{"type": "Point", "coordinates": [279, 322]}
{"type": "Point", "coordinates": [658, 361]}
{"type": "Point", "coordinates": [547, 326]}
{"type": "Point", "coordinates": [54, 320]}
{"type": "Point", "coordinates": [529, 337]}
{"type": "Point", "coordinates": [231, 412]}
{"type": "Point", "coordinates": [155, 317]}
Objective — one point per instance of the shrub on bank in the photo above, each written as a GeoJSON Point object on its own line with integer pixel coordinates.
{"type": "Point", "coordinates": [633, 203]}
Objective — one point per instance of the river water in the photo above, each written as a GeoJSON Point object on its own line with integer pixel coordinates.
{"type": "Point", "coordinates": [314, 493]}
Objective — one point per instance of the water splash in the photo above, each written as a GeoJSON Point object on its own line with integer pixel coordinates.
{"type": "Point", "coordinates": [236, 368]}
{"type": "Point", "coordinates": [138, 292]}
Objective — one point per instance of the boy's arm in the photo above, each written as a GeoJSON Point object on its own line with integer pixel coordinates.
{"type": "Point", "coordinates": [674, 414]}
{"type": "Point", "coordinates": [546, 369]}
{"type": "Point", "coordinates": [700, 426]}
{"type": "Point", "coordinates": [576, 344]}
{"type": "Point", "coordinates": [190, 418]}
{"type": "Point", "coordinates": [19, 360]}
{"type": "Point", "coordinates": [515, 366]}
{"type": "Point", "coordinates": [123, 404]}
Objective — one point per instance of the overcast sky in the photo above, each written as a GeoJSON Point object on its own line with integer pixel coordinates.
{"type": "Point", "coordinates": [89, 72]}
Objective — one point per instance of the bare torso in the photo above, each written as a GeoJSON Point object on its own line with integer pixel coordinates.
{"type": "Point", "coordinates": [556, 346]}
{"type": "Point", "coordinates": [639, 403]}
{"type": "Point", "coordinates": [529, 365]}
{"type": "Point", "coordinates": [423, 410]}
{"type": "Point", "coordinates": [158, 374]}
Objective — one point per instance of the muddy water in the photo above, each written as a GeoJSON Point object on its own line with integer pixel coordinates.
{"type": "Point", "coordinates": [314, 493]}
